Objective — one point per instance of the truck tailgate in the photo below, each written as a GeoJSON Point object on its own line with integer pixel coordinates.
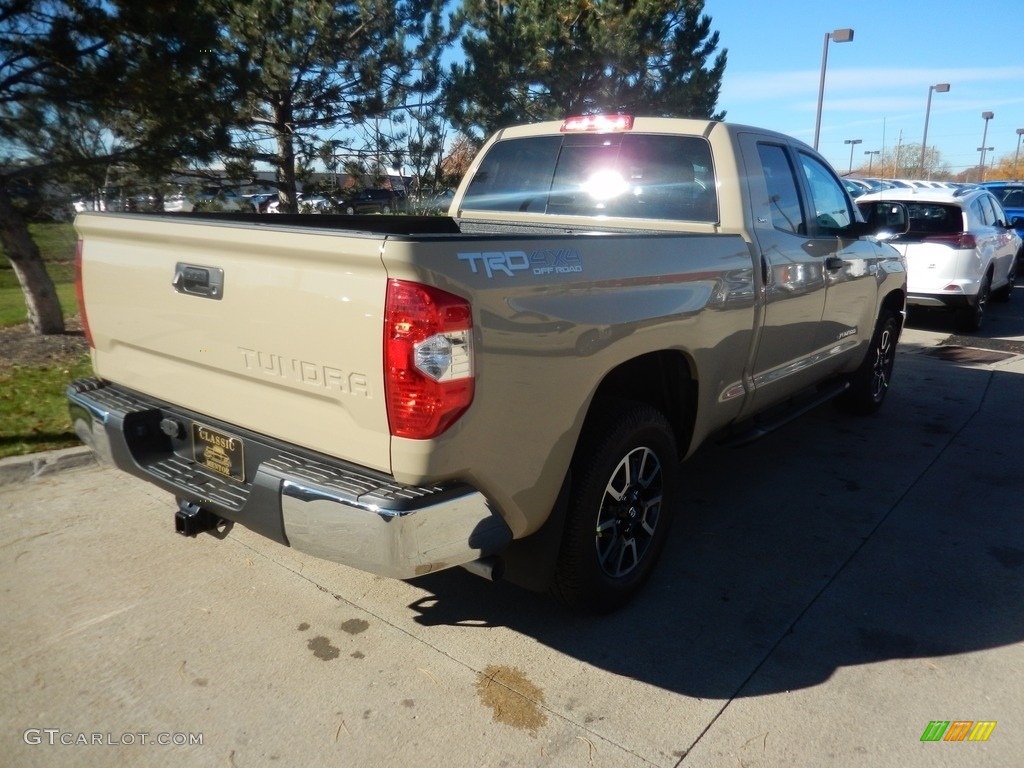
{"type": "Point", "coordinates": [272, 328]}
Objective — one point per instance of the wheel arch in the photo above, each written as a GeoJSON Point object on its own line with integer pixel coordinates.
{"type": "Point", "coordinates": [665, 380]}
{"type": "Point", "coordinates": [895, 301]}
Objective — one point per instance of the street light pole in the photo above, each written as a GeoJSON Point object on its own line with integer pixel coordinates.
{"type": "Point", "coordinates": [840, 36]}
{"type": "Point", "coordinates": [852, 143]}
{"type": "Point", "coordinates": [1020, 132]}
{"type": "Point", "coordinates": [941, 88]}
{"type": "Point", "coordinates": [871, 157]}
{"type": "Point", "coordinates": [986, 116]}
{"type": "Point", "coordinates": [983, 150]}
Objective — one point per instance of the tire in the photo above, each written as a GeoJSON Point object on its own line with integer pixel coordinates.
{"type": "Point", "coordinates": [624, 484]}
{"type": "Point", "coordinates": [972, 318]}
{"type": "Point", "coordinates": [1006, 292]}
{"type": "Point", "coordinates": [350, 210]}
{"type": "Point", "coordinates": [870, 383]}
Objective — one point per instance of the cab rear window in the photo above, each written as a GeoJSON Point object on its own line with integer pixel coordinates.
{"type": "Point", "coordinates": [644, 176]}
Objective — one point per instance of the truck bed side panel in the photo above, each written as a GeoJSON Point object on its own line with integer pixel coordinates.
{"type": "Point", "coordinates": [553, 316]}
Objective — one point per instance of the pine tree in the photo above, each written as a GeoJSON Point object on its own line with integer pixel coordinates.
{"type": "Point", "coordinates": [529, 60]}
{"type": "Point", "coordinates": [310, 68]}
{"type": "Point", "coordinates": [89, 84]}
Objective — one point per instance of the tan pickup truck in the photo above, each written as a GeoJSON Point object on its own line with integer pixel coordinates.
{"type": "Point", "coordinates": [510, 388]}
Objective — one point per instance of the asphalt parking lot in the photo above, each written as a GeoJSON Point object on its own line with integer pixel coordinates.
{"type": "Point", "coordinates": [829, 593]}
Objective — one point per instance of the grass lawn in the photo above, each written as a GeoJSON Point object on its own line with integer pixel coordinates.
{"type": "Point", "coordinates": [33, 411]}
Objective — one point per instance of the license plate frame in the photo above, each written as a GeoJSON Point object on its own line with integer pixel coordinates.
{"type": "Point", "coordinates": [218, 451]}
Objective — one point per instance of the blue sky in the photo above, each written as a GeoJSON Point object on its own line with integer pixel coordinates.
{"type": "Point", "coordinates": [877, 84]}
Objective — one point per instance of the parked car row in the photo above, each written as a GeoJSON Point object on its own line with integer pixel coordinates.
{"type": "Point", "coordinates": [858, 185]}
{"type": "Point", "coordinates": [961, 247]}
{"type": "Point", "coordinates": [224, 199]}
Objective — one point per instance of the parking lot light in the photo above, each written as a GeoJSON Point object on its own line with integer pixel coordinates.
{"type": "Point", "coordinates": [986, 116]}
{"type": "Point", "coordinates": [940, 88]}
{"type": "Point", "coordinates": [853, 143]}
{"type": "Point", "coordinates": [1020, 132]}
{"type": "Point", "coordinates": [839, 36]}
{"type": "Point", "coordinates": [871, 157]}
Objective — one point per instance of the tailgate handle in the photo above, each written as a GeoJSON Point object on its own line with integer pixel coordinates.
{"type": "Point", "coordinates": [197, 280]}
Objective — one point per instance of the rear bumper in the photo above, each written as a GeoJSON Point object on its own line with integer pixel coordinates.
{"type": "Point", "coordinates": [941, 301]}
{"type": "Point", "coordinates": [316, 504]}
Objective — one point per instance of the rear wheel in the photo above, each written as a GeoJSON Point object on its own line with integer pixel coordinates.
{"type": "Point", "coordinates": [1004, 293]}
{"type": "Point", "coordinates": [973, 318]}
{"type": "Point", "coordinates": [870, 384]}
{"type": "Point", "coordinates": [623, 492]}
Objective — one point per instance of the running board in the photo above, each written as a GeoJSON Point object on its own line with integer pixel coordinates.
{"type": "Point", "coordinates": [763, 425]}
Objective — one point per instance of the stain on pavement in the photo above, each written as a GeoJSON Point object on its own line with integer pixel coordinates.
{"type": "Point", "coordinates": [322, 648]}
{"type": "Point", "coordinates": [513, 699]}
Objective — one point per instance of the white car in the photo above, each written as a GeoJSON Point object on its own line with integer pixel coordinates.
{"type": "Point", "coordinates": [960, 249]}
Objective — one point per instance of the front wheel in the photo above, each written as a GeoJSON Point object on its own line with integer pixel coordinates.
{"type": "Point", "coordinates": [623, 492]}
{"type": "Point", "coordinates": [870, 383]}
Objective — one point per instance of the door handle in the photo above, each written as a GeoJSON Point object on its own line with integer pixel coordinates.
{"type": "Point", "coordinates": [833, 263]}
{"type": "Point", "coordinates": [197, 280]}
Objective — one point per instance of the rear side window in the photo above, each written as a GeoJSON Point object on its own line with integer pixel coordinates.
{"type": "Point", "coordinates": [993, 211]}
{"type": "Point", "coordinates": [631, 175]}
{"type": "Point", "coordinates": [983, 211]}
{"type": "Point", "coordinates": [783, 198]}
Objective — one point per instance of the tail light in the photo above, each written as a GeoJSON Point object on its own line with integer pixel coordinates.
{"type": "Point", "coordinates": [428, 359]}
{"type": "Point", "coordinates": [961, 240]}
{"type": "Point", "coordinates": [80, 294]}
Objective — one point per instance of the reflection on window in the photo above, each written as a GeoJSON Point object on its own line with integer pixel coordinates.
{"type": "Point", "coordinates": [831, 204]}
{"type": "Point", "coordinates": [783, 199]}
{"type": "Point", "coordinates": [1013, 198]}
{"type": "Point", "coordinates": [933, 219]}
{"type": "Point", "coordinates": [628, 175]}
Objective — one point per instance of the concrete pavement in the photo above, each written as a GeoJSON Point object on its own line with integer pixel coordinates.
{"type": "Point", "coordinates": [828, 592]}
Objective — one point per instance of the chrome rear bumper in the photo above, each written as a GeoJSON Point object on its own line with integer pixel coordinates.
{"type": "Point", "coordinates": [316, 504]}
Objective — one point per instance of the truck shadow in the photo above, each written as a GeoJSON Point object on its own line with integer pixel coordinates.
{"type": "Point", "coordinates": [834, 542]}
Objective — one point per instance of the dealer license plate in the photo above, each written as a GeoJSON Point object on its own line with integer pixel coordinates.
{"type": "Point", "coordinates": [218, 451]}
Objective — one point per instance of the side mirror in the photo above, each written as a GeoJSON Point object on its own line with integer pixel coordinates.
{"type": "Point", "coordinates": [885, 218]}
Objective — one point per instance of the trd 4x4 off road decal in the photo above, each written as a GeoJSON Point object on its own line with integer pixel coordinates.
{"type": "Point", "coordinates": [555, 261]}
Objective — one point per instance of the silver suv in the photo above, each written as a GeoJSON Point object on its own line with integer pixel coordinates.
{"type": "Point", "coordinates": [960, 249]}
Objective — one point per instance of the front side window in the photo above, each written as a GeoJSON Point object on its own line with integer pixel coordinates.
{"type": "Point", "coordinates": [628, 175]}
{"type": "Point", "coordinates": [831, 204]}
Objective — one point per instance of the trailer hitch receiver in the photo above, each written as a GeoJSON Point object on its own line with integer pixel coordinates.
{"type": "Point", "coordinates": [191, 519]}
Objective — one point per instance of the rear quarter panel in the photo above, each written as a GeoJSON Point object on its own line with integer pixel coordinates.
{"type": "Point", "coordinates": [551, 318]}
